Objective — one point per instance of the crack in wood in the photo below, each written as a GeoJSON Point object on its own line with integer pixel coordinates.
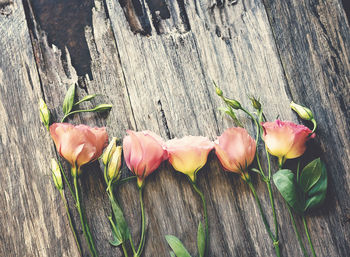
{"type": "Point", "coordinates": [6, 7]}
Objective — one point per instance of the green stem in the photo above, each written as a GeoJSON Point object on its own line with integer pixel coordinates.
{"type": "Point", "coordinates": [268, 183]}
{"type": "Point", "coordinates": [297, 232]}
{"type": "Point", "coordinates": [66, 179]}
{"type": "Point", "coordinates": [124, 250]}
{"type": "Point", "coordinates": [132, 244]}
{"type": "Point", "coordinates": [260, 208]}
{"type": "Point", "coordinates": [195, 187]}
{"type": "Point", "coordinates": [274, 240]}
{"type": "Point", "coordinates": [143, 224]}
{"type": "Point", "coordinates": [308, 236]}
{"type": "Point", "coordinates": [124, 180]}
{"type": "Point", "coordinates": [70, 222]}
{"type": "Point", "coordinates": [74, 112]}
{"type": "Point", "coordinates": [82, 219]}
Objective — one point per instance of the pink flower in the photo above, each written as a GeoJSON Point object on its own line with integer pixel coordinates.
{"type": "Point", "coordinates": [80, 144]}
{"type": "Point", "coordinates": [235, 149]}
{"type": "Point", "coordinates": [286, 140]}
{"type": "Point", "coordinates": [143, 153]}
{"type": "Point", "coordinates": [189, 154]}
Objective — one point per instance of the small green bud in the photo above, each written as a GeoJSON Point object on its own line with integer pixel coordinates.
{"type": "Point", "coordinates": [233, 103]}
{"type": "Point", "coordinates": [56, 174]}
{"type": "Point", "coordinates": [109, 151]}
{"type": "Point", "coordinates": [255, 102]}
{"type": "Point", "coordinates": [303, 112]}
{"type": "Point", "coordinates": [218, 91]}
{"type": "Point", "coordinates": [44, 113]}
{"type": "Point", "coordinates": [115, 163]}
{"type": "Point", "coordinates": [103, 107]}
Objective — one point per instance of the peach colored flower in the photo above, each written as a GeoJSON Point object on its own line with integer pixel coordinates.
{"type": "Point", "coordinates": [80, 144]}
{"type": "Point", "coordinates": [285, 139]}
{"type": "Point", "coordinates": [235, 149]}
{"type": "Point", "coordinates": [189, 154]}
{"type": "Point", "coordinates": [143, 153]}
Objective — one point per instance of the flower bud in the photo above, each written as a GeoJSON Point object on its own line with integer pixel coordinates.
{"type": "Point", "coordinates": [233, 103]}
{"type": "Point", "coordinates": [218, 91]}
{"type": "Point", "coordinates": [109, 151]}
{"type": "Point", "coordinates": [56, 174]}
{"type": "Point", "coordinates": [255, 102]}
{"type": "Point", "coordinates": [115, 164]}
{"type": "Point", "coordinates": [303, 112]}
{"type": "Point", "coordinates": [44, 113]}
{"type": "Point", "coordinates": [103, 107]}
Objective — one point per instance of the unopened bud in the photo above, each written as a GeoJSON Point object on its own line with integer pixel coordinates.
{"type": "Point", "coordinates": [255, 102]}
{"type": "Point", "coordinates": [218, 91]}
{"type": "Point", "coordinates": [303, 112]}
{"type": "Point", "coordinates": [109, 151]}
{"type": "Point", "coordinates": [233, 103]}
{"type": "Point", "coordinates": [103, 107]}
{"type": "Point", "coordinates": [115, 163]}
{"type": "Point", "coordinates": [56, 174]}
{"type": "Point", "coordinates": [44, 113]}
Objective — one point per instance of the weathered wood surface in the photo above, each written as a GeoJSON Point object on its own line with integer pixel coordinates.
{"type": "Point", "coordinates": [155, 62]}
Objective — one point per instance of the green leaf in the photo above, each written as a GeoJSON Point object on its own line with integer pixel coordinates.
{"type": "Point", "coordinates": [317, 194]}
{"type": "Point", "coordinates": [86, 98]}
{"type": "Point", "coordinates": [115, 241]}
{"type": "Point", "coordinates": [310, 175]}
{"type": "Point", "coordinates": [69, 100]}
{"type": "Point", "coordinates": [121, 224]}
{"type": "Point", "coordinates": [287, 186]}
{"type": "Point", "coordinates": [201, 240]}
{"type": "Point", "coordinates": [172, 254]}
{"type": "Point", "coordinates": [176, 245]}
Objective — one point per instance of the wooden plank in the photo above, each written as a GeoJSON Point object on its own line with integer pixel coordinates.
{"type": "Point", "coordinates": [31, 217]}
{"type": "Point", "coordinates": [313, 39]}
{"type": "Point", "coordinates": [233, 45]}
{"type": "Point", "coordinates": [154, 61]}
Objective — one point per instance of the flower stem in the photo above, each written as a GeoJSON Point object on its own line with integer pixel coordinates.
{"type": "Point", "coordinates": [74, 112]}
{"type": "Point", "coordinates": [66, 180]}
{"type": "Point", "coordinates": [268, 183]}
{"type": "Point", "coordinates": [70, 222]}
{"type": "Point", "coordinates": [273, 238]}
{"type": "Point", "coordinates": [82, 220]}
{"type": "Point", "coordinates": [143, 224]}
{"type": "Point", "coordinates": [124, 180]}
{"type": "Point", "coordinates": [297, 232]}
{"type": "Point", "coordinates": [124, 250]}
{"type": "Point", "coordinates": [195, 187]}
{"type": "Point", "coordinates": [308, 236]}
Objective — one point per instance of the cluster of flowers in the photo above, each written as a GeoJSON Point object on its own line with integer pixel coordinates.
{"type": "Point", "coordinates": [144, 151]}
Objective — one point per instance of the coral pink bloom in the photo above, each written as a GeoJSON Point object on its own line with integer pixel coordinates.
{"type": "Point", "coordinates": [78, 144]}
{"type": "Point", "coordinates": [143, 153]}
{"type": "Point", "coordinates": [235, 149]}
{"type": "Point", "coordinates": [286, 140]}
{"type": "Point", "coordinates": [189, 154]}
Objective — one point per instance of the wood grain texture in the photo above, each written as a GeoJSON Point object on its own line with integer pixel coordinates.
{"type": "Point", "coordinates": [155, 61]}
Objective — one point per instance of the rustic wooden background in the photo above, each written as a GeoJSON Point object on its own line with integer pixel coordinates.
{"type": "Point", "coordinates": [155, 60]}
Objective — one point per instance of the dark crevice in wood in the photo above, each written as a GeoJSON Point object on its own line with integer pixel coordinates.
{"type": "Point", "coordinates": [184, 15]}
{"type": "Point", "coordinates": [164, 120]}
{"type": "Point", "coordinates": [346, 5]}
{"type": "Point", "coordinates": [6, 7]}
{"type": "Point", "coordinates": [64, 23]}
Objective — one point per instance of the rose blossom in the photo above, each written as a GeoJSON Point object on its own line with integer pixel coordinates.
{"type": "Point", "coordinates": [235, 149]}
{"type": "Point", "coordinates": [80, 144]}
{"type": "Point", "coordinates": [285, 139]}
{"type": "Point", "coordinates": [189, 154]}
{"type": "Point", "coordinates": [143, 153]}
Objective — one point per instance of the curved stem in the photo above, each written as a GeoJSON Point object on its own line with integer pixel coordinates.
{"type": "Point", "coordinates": [70, 222]}
{"type": "Point", "coordinates": [297, 232]}
{"type": "Point", "coordinates": [268, 182]}
{"type": "Point", "coordinates": [82, 219]}
{"type": "Point", "coordinates": [143, 224]}
{"type": "Point", "coordinates": [132, 245]}
{"type": "Point", "coordinates": [124, 250]}
{"type": "Point", "coordinates": [195, 187]}
{"type": "Point", "coordinates": [308, 236]}
{"type": "Point", "coordinates": [315, 125]}
{"type": "Point", "coordinates": [124, 180]}
{"type": "Point", "coordinates": [66, 180]}
{"type": "Point", "coordinates": [260, 208]}
{"type": "Point", "coordinates": [74, 112]}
